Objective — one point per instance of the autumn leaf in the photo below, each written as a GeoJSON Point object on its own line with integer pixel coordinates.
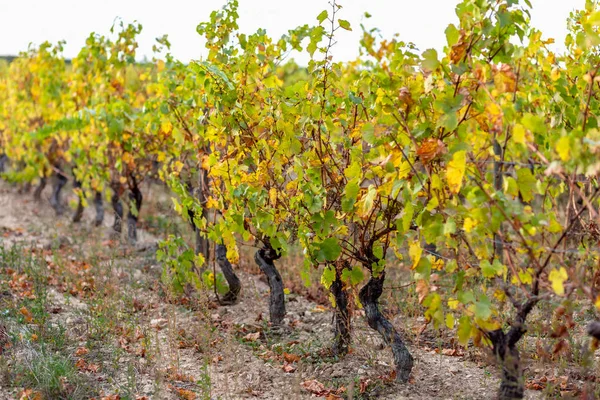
{"type": "Point", "coordinates": [314, 386]}
{"type": "Point", "coordinates": [252, 337]}
{"type": "Point", "coordinates": [557, 277]}
{"type": "Point", "coordinates": [288, 368]}
{"type": "Point", "coordinates": [456, 170]}
{"type": "Point", "coordinates": [291, 357]}
{"type": "Point", "coordinates": [81, 351]}
{"type": "Point", "coordinates": [430, 149]}
{"type": "Point", "coordinates": [27, 314]}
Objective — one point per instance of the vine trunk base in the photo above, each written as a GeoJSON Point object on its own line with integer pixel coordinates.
{"type": "Point", "coordinates": [369, 298]}
{"type": "Point", "coordinates": [265, 258]}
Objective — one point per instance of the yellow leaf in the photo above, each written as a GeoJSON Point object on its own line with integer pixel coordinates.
{"type": "Point", "coordinates": [273, 197]}
{"type": "Point", "coordinates": [166, 126]}
{"type": "Point", "coordinates": [453, 304]}
{"type": "Point", "coordinates": [597, 302]}
{"type": "Point", "coordinates": [415, 251]}
{"type": "Point", "coordinates": [563, 148]}
{"type": "Point", "coordinates": [450, 321]}
{"type": "Point", "coordinates": [519, 134]}
{"type": "Point", "coordinates": [456, 170]}
{"type": "Point", "coordinates": [557, 278]}
{"type": "Point", "coordinates": [469, 224]}
{"type": "Point", "coordinates": [367, 202]}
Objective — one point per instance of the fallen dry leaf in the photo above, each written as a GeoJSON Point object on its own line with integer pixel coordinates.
{"type": "Point", "coordinates": [158, 323]}
{"type": "Point", "coordinates": [291, 357]}
{"type": "Point", "coordinates": [27, 314]}
{"type": "Point", "coordinates": [81, 351]}
{"type": "Point", "coordinates": [289, 368]}
{"type": "Point", "coordinates": [314, 386]}
{"type": "Point", "coordinates": [252, 337]}
{"type": "Point", "coordinates": [185, 394]}
{"type": "Point", "coordinates": [29, 394]}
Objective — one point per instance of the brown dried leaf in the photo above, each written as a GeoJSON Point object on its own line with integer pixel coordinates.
{"type": "Point", "coordinates": [252, 337]}
{"type": "Point", "coordinates": [288, 368]}
{"type": "Point", "coordinates": [291, 357]}
{"type": "Point", "coordinates": [314, 386]}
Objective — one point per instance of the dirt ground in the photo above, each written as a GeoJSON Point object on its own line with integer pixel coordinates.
{"type": "Point", "coordinates": [137, 342]}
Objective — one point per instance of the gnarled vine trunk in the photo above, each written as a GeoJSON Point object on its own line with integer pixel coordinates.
{"type": "Point", "coordinates": [37, 194]}
{"type": "Point", "coordinates": [60, 180]}
{"type": "Point", "coordinates": [265, 258]}
{"type": "Point", "coordinates": [133, 212]}
{"type": "Point", "coordinates": [512, 385]}
{"type": "Point", "coordinates": [79, 211]}
{"type": "Point", "coordinates": [3, 162]}
{"type": "Point", "coordinates": [202, 245]}
{"type": "Point", "coordinates": [369, 298]}
{"type": "Point", "coordinates": [99, 206]}
{"type": "Point", "coordinates": [341, 341]}
{"type": "Point", "coordinates": [118, 208]}
{"type": "Point", "coordinates": [232, 280]}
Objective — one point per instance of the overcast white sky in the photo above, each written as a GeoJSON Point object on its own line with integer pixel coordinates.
{"type": "Point", "coordinates": [420, 21]}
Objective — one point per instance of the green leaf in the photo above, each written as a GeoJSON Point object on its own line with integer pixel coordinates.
{"type": "Point", "coordinates": [350, 195]}
{"type": "Point", "coordinates": [330, 249]}
{"type": "Point", "coordinates": [344, 24]}
{"type": "Point", "coordinates": [354, 275]}
{"type": "Point", "coordinates": [526, 183]}
{"type": "Point", "coordinates": [452, 34]}
{"type": "Point", "coordinates": [430, 59]}
{"type": "Point", "coordinates": [464, 330]}
{"type": "Point", "coordinates": [328, 276]}
{"type": "Point", "coordinates": [483, 308]}
{"type": "Point", "coordinates": [491, 270]}
{"type": "Point", "coordinates": [322, 16]}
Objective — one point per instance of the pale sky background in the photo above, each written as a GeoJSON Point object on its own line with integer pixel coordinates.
{"type": "Point", "coordinates": [420, 21]}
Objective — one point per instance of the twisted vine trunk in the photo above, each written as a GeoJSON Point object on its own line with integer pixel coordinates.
{"type": "Point", "coordinates": [118, 208]}
{"type": "Point", "coordinates": [232, 280]}
{"type": "Point", "coordinates": [133, 212]}
{"type": "Point", "coordinates": [99, 206]}
{"type": "Point", "coordinates": [505, 349]}
{"type": "Point", "coordinates": [79, 211]}
{"type": "Point", "coordinates": [341, 341]}
{"type": "Point", "coordinates": [369, 297]}
{"type": "Point", "coordinates": [3, 161]}
{"type": "Point", "coordinates": [202, 245]}
{"type": "Point", "coordinates": [37, 194]}
{"type": "Point", "coordinates": [60, 180]}
{"type": "Point", "coordinates": [265, 258]}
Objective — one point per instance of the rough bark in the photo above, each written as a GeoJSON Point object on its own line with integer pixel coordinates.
{"type": "Point", "coordinates": [118, 208]}
{"type": "Point", "coordinates": [232, 280]}
{"type": "Point", "coordinates": [37, 194]}
{"type": "Point", "coordinates": [505, 349]}
{"type": "Point", "coordinates": [79, 211]}
{"type": "Point", "coordinates": [60, 180]}
{"type": "Point", "coordinates": [265, 258]}
{"type": "Point", "coordinates": [202, 243]}
{"type": "Point", "coordinates": [341, 341]}
{"type": "Point", "coordinates": [98, 204]}
{"type": "Point", "coordinates": [369, 298]}
{"type": "Point", "coordinates": [512, 385]}
{"type": "Point", "coordinates": [133, 212]}
{"type": "Point", "coordinates": [3, 162]}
